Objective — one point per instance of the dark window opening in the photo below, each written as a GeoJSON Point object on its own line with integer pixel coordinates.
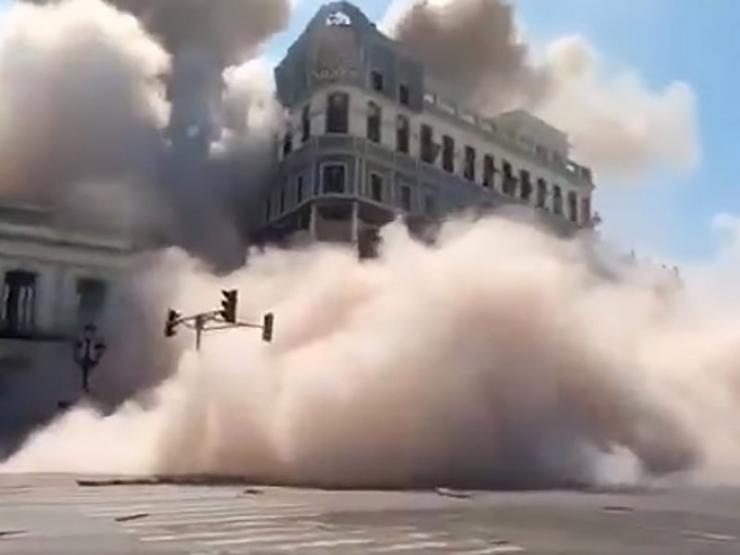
{"type": "Point", "coordinates": [586, 210]}
{"type": "Point", "coordinates": [525, 187]}
{"type": "Point", "coordinates": [299, 189]}
{"type": "Point", "coordinates": [469, 163]}
{"type": "Point", "coordinates": [573, 207]}
{"type": "Point", "coordinates": [489, 170]}
{"type": "Point", "coordinates": [306, 123]}
{"type": "Point", "coordinates": [337, 115]}
{"type": "Point", "coordinates": [282, 200]}
{"type": "Point", "coordinates": [406, 198]}
{"type": "Point", "coordinates": [541, 193]}
{"type": "Point", "coordinates": [427, 147]}
{"type": "Point", "coordinates": [334, 178]}
{"type": "Point", "coordinates": [403, 95]}
{"type": "Point", "coordinates": [268, 210]}
{"type": "Point", "coordinates": [402, 134]}
{"type": "Point", "coordinates": [557, 200]}
{"type": "Point", "coordinates": [91, 294]}
{"type": "Point", "coordinates": [288, 143]}
{"type": "Point", "coordinates": [376, 187]}
{"type": "Point", "coordinates": [376, 80]}
{"type": "Point", "coordinates": [19, 302]}
{"type": "Point", "coordinates": [509, 185]}
{"type": "Point", "coordinates": [374, 122]}
{"type": "Point", "coordinates": [448, 154]}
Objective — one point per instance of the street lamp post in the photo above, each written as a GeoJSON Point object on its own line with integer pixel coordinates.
{"type": "Point", "coordinates": [89, 349]}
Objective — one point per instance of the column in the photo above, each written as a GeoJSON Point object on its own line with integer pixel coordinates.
{"type": "Point", "coordinates": [355, 222]}
{"type": "Point", "coordinates": [312, 222]}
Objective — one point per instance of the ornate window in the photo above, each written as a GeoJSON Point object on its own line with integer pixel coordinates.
{"type": "Point", "coordinates": [374, 122]}
{"type": "Point", "coordinates": [541, 193]}
{"type": "Point", "coordinates": [334, 178]}
{"type": "Point", "coordinates": [19, 302]}
{"type": "Point", "coordinates": [557, 200]}
{"type": "Point", "coordinates": [337, 113]}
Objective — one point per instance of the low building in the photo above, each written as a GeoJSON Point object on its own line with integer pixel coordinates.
{"type": "Point", "coordinates": [54, 282]}
{"type": "Point", "coordinates": [367, 142]}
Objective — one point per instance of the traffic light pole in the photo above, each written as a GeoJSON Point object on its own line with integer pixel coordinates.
{"type": "Point", "coordinates": [217, 320]}
{"type": "Point", "coordinates": [199, 327]}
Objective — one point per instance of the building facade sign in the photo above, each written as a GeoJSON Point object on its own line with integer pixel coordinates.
{"type": "Point", "coordinates": [338, 19]}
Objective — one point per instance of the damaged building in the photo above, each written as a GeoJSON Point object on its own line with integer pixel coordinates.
{"type": "Point", "coordinates": [369, 141]}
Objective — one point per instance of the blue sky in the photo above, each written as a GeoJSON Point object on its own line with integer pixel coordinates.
{"type": "Point", "coordinates": [694, 41]}
{"type": "Point", "coordinates": [665, 40]}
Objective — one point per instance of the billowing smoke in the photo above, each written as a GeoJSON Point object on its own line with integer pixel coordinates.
{"type": "Point", "coordinates": [472, 48]}
{"type": "Point", "coordinates": [475, 53]}
{"type": "Point", "coordinates": [502, 356]}
{"type": "Point", "coordinates": [84, 133]}
{"type": "Point", "coordinates": [536, 363]}
{"type": "Point", "coordinates": [81, 107]}
{"type": "Point", "coordinates": [94, 121]}
{"type": "Point", "coordinates": [234, 28]}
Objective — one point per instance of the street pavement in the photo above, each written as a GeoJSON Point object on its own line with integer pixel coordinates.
{"type": "Point", "coordinates": [41, 514]}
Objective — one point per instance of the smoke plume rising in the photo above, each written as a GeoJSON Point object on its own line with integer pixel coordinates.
{"type": "Point", "coordinates": [472, 49]}
{"type": "Point", "coordinates": [84, 118]}
{"type": "Point", "coordinates": [538, 363]}
{"type": "Point", "coordinates": [233, 28]}
{"type": "Point", "coordinates": [475, 53]}
{"type": "Point", "coordinates": [80, 104]}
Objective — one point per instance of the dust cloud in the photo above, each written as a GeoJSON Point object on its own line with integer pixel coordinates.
{"type": "Point", "coordinates": [80, 110]}
{"type": "Point", "coordinates": [233, 28]}
{"type": "Point", "coordinates": [476, 53]}
{"type": "Point", "coordinates": [499, 357]}
{"type": "Point", "coordinates": [537, 363]}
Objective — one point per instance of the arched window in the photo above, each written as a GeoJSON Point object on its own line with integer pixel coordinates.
{"type": "Point", "coordinates": [573, 207]}
{"type": "Point", "coordinates": [541, 193]}
{"type": "Point", "coordinates": [337, 113]}
{"type": "Point", "coordinates": [469, 169]}
{"type": "Point", "coordinates": [19, 302]}
{"type": "Point", "coordinates": [525, 189]}
{"type": "Point", "coordinates": [306, 123]}
{"type": "Point", "coordinates": [489, 170]}
{"type": "Point", "coordinates": [428, 151]}
{"type": "Point", "coordinates": [402, 134]}
{"type": "Point", "coordinates": [557, 200]}
{"type": "Point", "coordinates": [376, 80]}
{"type": "Point", "coordinates": [448, 154]}
{"type": "Point", "coordinates": [374, 122]}
{"type": "Point", "coordinates": [334, 178]}
{"type": "Point", "coordinates": [509, 185]}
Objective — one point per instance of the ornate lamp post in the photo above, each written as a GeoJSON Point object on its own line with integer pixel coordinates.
{"type": "Point", "coordinates": [89, 349]}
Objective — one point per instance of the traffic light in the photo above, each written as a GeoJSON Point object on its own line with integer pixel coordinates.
{"type": "Point", "coordinates": [173, 318]}
{"type": "Point", "coordinates": [267, 327]}
{"type": "Point", "coordinates": [228, 310]}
